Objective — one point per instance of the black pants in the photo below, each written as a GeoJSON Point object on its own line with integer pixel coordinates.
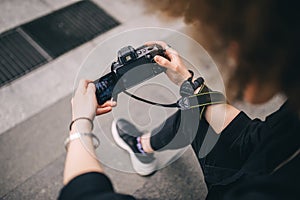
{"type": "Point", "coordinates": [217, 159]}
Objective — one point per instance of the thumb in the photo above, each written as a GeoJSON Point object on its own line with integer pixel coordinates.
{"type": "Point", "coordinates": [91, 88]}
{"type": "Point", "coordinates": [163, 62]}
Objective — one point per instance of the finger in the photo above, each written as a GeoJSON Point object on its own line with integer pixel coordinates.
{"type": "Point", "coordinates": [101, 111]}
{"type": "Point", "coordinates": [163, 62]}
{"type": "Point", "coordinates": [91, 89]}
{"type": "Point", "coordinates": [172, 54]}
{"type": "Point", "coordinates": [113, 103]}
{"type": "Point", "coordinates": [82, 86]}
{"type": "Point", "coordinates": [161, 43]}
{"type": "Point", "coordinates": [169, 51]}
{"type": "Point", "coordinates": [108, 103]}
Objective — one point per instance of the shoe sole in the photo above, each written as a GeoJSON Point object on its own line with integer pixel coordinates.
{"type": "Point", "coordinates": [140, 167]}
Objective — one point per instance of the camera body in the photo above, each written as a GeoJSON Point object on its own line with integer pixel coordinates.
{"type": "Point", "coordinates": [139, 63]}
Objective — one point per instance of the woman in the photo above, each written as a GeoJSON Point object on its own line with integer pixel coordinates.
{"type": "Point", "coordinates": [252, 159]}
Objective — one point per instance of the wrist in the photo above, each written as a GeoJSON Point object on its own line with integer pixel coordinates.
{"type": "Point", "coordinates": [81, 125]}
{"type": "Point", "coordinates": [90, 140]}
{"type": "Point", "coordinates": [198, 89]}
{"type": "Point", "coordinates": [189, 75]}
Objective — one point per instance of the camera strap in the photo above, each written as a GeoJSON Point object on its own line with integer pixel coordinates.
{"type": "Point", "coordinates": [204, 98]}
{"type": "Point", "coordinates": [201, 100]}
{"type": "Point", "coordinates": [172, 105]}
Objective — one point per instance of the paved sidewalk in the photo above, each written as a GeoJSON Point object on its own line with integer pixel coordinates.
{"type": "Point", "coordinates": [35, 110]}
{"type": "Point", "coordinates": [33, 156]}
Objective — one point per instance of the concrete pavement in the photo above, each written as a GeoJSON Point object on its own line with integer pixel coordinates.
{"type": "Point", "coordinates": [35, 111]}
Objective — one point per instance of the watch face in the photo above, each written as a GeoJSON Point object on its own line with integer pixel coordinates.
{"type": "Point", "coordinates": [186, 89]}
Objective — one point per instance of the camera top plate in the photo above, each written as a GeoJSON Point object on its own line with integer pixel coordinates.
{"type": "Point", "coordinates": [130, 57]}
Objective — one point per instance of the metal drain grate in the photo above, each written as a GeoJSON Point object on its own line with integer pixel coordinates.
{"type": "Point", "coordinates": [69, 27]}
{"type": "Point", "coordinates": [32, 44]}
{"type": "Point", "coordinates": [17, 56]}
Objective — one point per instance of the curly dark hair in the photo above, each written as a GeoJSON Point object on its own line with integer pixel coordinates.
{"type": "Point", "coordinates": [266, 31]}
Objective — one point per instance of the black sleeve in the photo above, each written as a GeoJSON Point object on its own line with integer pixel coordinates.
{"type": "Point", "coordinates": [262, 189]}
{"type": "Point", "coordinates": [91, 186]}
{"type": "Point", "coordinates": [283, 184]}
{"type": "Point", "coordinates": [239, 139]}
{"type": "Point", "coordinates": [231, 148]}
{"type": "Point", "coordinates": [241, 136]}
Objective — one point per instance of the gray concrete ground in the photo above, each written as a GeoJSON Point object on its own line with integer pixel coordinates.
{"type": "Point", "coordinates": [35, 109]}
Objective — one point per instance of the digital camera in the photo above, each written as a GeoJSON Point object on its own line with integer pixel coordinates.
{"type": "Point", "coordinates": [132, 67]}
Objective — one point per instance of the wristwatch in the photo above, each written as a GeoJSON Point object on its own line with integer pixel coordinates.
{"type": "Point", "coordinates": [188, 87]}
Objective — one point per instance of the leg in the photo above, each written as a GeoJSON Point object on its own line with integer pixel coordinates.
{"type": "Point", "coordinates": [176, 132]}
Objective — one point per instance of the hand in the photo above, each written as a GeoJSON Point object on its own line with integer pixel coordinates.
{"type": "Point", "coordinates": [84, 103]}
{"type": "Point", "coordinates": [176, 70]}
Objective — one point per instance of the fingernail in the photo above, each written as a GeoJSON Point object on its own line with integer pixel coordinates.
{"type": "Point", "coordinates": [113, 103]}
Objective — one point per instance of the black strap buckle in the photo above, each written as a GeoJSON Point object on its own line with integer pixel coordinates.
{"type": "Point", "coordinates": [184, 103]}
